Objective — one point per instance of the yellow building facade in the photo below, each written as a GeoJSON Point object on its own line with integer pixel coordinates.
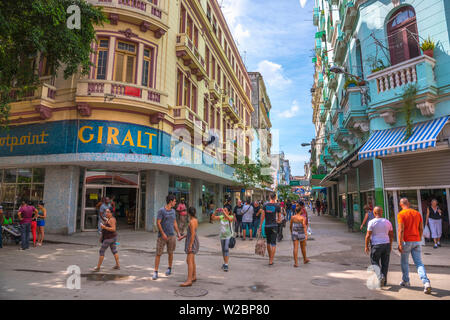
{"type": "Point", "coordinates": [161, 69]}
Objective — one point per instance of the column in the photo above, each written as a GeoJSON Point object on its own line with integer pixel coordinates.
{"type": "Point", "coordinates": [378, 182]}
{"type": "Point", "coordinates": [112, 49]}
{"type": "Point", "coordinates": [219, 196]}
{"type": "Point", "coordinates": [156, 193]}
{"type": "Point", "coordinates": [140, 62]}
{"type": "Point", "coordinates": [61, 198]}
{"type": "Point", "coordinates": [196, 195]}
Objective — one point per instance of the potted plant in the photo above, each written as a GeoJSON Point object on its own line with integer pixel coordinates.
{"type": "Point", "coordinates": [428, 47]}
{"type": "Point", "coordinates": [351, 83]}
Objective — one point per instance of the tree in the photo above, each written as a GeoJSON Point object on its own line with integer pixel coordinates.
{"type": "Point", "coordinates": [249, 175]}
{"type": "Point", "coordinates": [285, 193]}
{"type": "Point", "coordinates": [32, 27]}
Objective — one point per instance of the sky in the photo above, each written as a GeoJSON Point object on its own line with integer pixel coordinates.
{"type": "Point", "coordinates": [276, 38]}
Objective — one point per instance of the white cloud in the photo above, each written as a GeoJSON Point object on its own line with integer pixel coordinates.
{"type": "Point", "coordinates": [303, 3]}
{"type": "Point", "coordinates": [273, 74]}
{"type": "Point", "coordinates": [240, 34]}
{"type": "Point", "coordinates": [291, 112]}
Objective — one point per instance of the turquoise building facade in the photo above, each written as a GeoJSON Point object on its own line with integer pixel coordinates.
{"type": "Point", "coordinates": [382, 116]}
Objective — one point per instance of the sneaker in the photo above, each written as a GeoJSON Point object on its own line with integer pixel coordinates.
{"type": "Point", "coordinates": [382, 282]}
{"type": "Point", "coordinates": [155, 275]}
{"type": "Point", "coordinates": [169, 271]}
{"type": "Point", "coordinates": [225, 267]}
{"type": "Point", "coordinates": [405, 284]}
{"type": "Point", "coordinates": [435, 246]}
{"type": "Point", "coordinates": [427, 288]}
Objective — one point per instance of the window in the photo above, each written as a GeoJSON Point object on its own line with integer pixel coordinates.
{"type": "Point", "coordinates": [213, 68]}
{"type": "Point", "coordinates": [187, 92]}
{"type": "Point", "coordinates": [403, 36]}
{"type": "Point", "coordinates": [190, 27]}
{"type": "Point", "coordinates": [45, 67]}
{"type": "Point", "coordinates": [194, 98]}
{"type": "Point", "coordinates": [359, 62]}
{"type": "Point", "coordinates": [208, 12]}
{"type": "Point", "coordinates": [220, 36]}
{"type": "Point", "coordinates": [206, 111]}
{"type": "Point", "coordinates": [183, 20]}
{"type": "Point", "coordinates": [125, 62]}
{"type": "Point", "coordinates": [195, 37]}
{"type": "Point", "coordinates": [207, 60]}
{"type": "Point", "coordinates": [102, 59]}
{"type": "Point", "coordinates": [179, 88]}
{"type": "Point", "coordinates": [147, 68]}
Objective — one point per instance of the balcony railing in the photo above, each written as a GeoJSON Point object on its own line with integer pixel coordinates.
{"type": "Point", "coordinates": [316, 15]}
{"type": "Point", "coordinates": [187, 116]}
{"type": "Point", "coordinates": [401, 74]}
{"type": "Point", "coordinates": [148, 8]}
{"type": "Point", "coordinates": [214, 90]}
{"type": "Point", "coordinates": [191, 55]}
{"type": "Point", "coordinates": [132, 92]}
{"type": "Point", "coordinates": [230, 109]}
{"type": "Point", "coordinates": [45, 91]}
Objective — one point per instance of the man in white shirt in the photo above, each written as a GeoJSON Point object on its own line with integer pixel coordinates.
{"type": "Point", "coordinates": [380, 234]}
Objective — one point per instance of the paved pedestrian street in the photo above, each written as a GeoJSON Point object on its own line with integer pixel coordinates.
{"type": "Point", "coordinates": [338, 269]}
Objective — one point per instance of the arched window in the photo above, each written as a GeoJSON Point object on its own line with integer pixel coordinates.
{"type": "Point", "coordinates": [359, 61]}
{"type": "Point", "coordinates": [403, 36]}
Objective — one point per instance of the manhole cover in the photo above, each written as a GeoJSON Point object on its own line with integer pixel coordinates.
{"type": "Point", "coordinates": [191, 292]}
{"type": "Point", "coordinates": [322, 282]}
{"type": "Point", "coordinates": [104, 277]}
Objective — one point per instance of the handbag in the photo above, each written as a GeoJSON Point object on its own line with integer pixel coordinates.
{"type": "Point", "coordinates": [232, 242]}
{"type": "Point", "coordinates": [260, 247]}
{"type": "Point", "coordinates": [427, 232]}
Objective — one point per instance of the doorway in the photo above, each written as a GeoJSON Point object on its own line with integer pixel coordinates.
{"type": "Point", "coordinates": [122, 188]}
{"type": "Point", "coordinates": [125, 203]}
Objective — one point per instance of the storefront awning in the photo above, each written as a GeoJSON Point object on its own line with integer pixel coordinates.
{"type": "Point", "coordinates": [384, 142]}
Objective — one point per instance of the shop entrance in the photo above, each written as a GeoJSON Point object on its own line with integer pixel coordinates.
{"type": "Point", "coordinates": [121, 188]}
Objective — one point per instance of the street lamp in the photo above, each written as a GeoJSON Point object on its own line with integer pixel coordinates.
{"type": "Point", "coordinates": [339, 70]}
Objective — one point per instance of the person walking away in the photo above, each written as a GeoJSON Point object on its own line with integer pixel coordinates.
{"type": "Point", "coordinates": [410, 231]}
{"type": "Point", "coordinates": [226, 232]}
{"type": "Point", "coordinates": [434, 221]}
{"type": "Point", "coordinates": [247, 219]}
{"type": "Point", "coordinates": [368, 216]}
{"type": "Point", "coordinates": [256, 217]}
{"type": "Point", "coordinates": [102, 212]}
{"type": "Point", "coordinates": [191, 248]}
{"type": "Point", "coordinates": [380, 235]}
{"type": "Point", "coordinates": [238, 222]}
{"type": "Point", "coordinates": [108, 239]}
{"type": "Point", "coordinates": [167, 225]}
{"type": "Point", "coordinates": [271, 217]}
{"type": "Point", "coordinates": [26, 214]}
{"type": "Point", "coordinates": [288, 210]}
{"type": "Point", "coordinates": [281, 224]}
{"type": "Point", "coordinates": [182, 216]}
{"type": "Point", "coordinates": [299, 235]}
{"type": "Point", "coordinates": [42, 215]}
{"type": "Point", "coordinates": [318, 206]}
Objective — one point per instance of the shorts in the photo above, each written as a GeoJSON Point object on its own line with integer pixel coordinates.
{"type": "Point", "coordinates": [41, 223]}
{"type": "Point", "coordinates": [271, 235]}
{"type": "Point", "coordinates": [247, 225]}
{"type": "Point", "coordinates": [171, 243]}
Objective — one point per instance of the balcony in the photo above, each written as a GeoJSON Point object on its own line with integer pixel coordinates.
{"type": "Point", "coordinates": [143, 13]}
{"type": "Point", "coordinates": [127, 95]}
{"type": "Point", "coordinates": [230, 109]}
{"type": "Point", "coordinates": [214, 90]}
{"type": "Point", "coordinates": [318, 46]}
{"type": "Point", "coordinates": [316, 15]}
{"type": "Point", "coordinates": [187, 51]}
{"type": "Point", "coordinates": [355, 110]}
{"type": "Point", "coordinates": [349, 17]}
{"type": "Point", "coordinates": [341, 47]}
{"type": "Point", "coordinates": [387, 86]}
{"type": "Point", "coordinates": [184, 116]}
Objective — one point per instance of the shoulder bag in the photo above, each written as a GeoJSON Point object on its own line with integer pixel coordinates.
{"type": "Point", "coordinates": [232, 242]}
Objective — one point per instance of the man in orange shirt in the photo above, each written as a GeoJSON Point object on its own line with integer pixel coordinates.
{"type": "Point", "coordinates": [410, 230]}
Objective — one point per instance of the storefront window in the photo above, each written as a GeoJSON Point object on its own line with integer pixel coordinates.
{"type": "Point", "coordinates": [411, 195]}
{"type": "Point", "coordinates": [391, 214]}
{"type": "Point", "coordinates": [17, 185]}
{"type": "Point", "coordinates": [179, 188]}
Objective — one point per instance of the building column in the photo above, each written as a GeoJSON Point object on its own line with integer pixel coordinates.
{"type": "Point", "coordinates": [111, 51]}
{"type": "Point", "coordinates": [219, 196]}
{"type": "Point", "coordinates": [140, 62]}
{"type": "Point", "coordinates": [196, 196]}
{"type": "Point", "coordinates": [156, 193]}
{"type": "Point", "coordinates": [378, 183]}
{"type": "Point", "coordinates": [61, 198]}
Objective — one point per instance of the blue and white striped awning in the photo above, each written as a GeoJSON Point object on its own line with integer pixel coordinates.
{"type": "Point", "coordinates": [384, 142]}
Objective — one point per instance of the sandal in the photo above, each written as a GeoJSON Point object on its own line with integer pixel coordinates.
{"type": "Point", "coordinates": [96, 269]}
{"type": "Point", "coordinates": [295, 265]}
{"type": "Point", "coordinates": [306, 261]}
{"type": "Point", "coordinates": [116, 267]}
{"type": "Point", "coordinates": [186, 284]}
